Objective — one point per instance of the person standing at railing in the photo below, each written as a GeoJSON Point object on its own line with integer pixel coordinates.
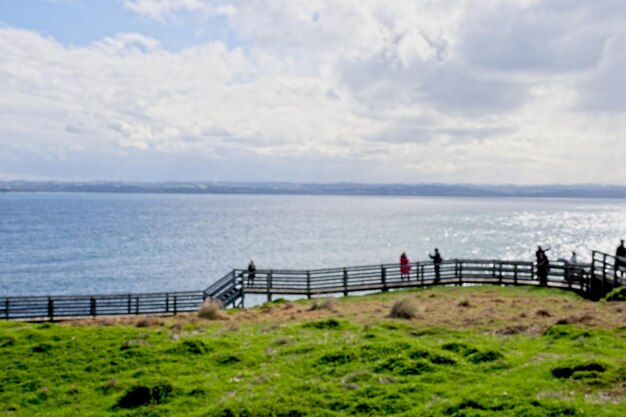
{"type": "Point", "coordinates": [543, 265]}
{"type": "Point", "coordinates": [620, 259]}
{"type": "Point", "coordinates": [251, 273]}
{"type": "Point", "coordinates": [405, 267]}
{"type": "Point", "coordinates": [437, 259]}
{"type": "Point", "coordinates": [571, 269]}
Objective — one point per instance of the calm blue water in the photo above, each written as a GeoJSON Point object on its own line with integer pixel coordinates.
{"type": "Point", "coordinates": [117, 243]}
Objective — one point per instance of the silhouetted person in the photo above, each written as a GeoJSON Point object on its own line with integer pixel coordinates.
{"type": "Point", "coordinates": [405, 267]}
{"type": "Point", "coordinates": [543, 265]}
{"type": "Point", "coordinates": [571, 269]}
{"type": "Point", "coordinates": [620, 259]}
{"type": "Point", "coordinates": [436, 262]}
{"type": "Point", "coordinates": [251, 273]}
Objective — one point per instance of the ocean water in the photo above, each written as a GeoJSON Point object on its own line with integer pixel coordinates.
{"type": "Point", "coordinates": [120, 243]}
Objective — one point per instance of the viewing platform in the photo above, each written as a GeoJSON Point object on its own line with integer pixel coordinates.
{"type": "Point", "coordinates": [592, 280]}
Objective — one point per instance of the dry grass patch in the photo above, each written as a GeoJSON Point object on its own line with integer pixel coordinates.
{"type": "Point", "coordinates": [405, 308]}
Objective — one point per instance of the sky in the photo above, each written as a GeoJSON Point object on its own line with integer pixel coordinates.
{"type": "Point", "coordinates": [372, 91]}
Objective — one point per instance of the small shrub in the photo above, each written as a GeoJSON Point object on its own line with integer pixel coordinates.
{"type": "Point", "coordinates": [148, 322]}
{"type": "Point", "coordinates": [561, 331]}
{"type": "Point", "coordinates": [543, 313]}
{"type": "Point", "coordinates": [211, 309]}
{"type": "Point", "coordinates": [324, 304]}
{"type": "Point", "coordinates": [433, 358]}
{"type": "Point", "coordinates": [404, 308]}
{"type": "Point", "coordinates": [336, 358]}
{"type": "Point", "coordinates": [194, 347]}
{"type": "Point", "coordinates": [141, 395]}
{"type": "Point", "coordinates": [324, 324]}
{"type": "Point", "coordinates": [464, 302]}
{"type": "Point", "coordinates": [42, 348]}
{"type": "Point", "coordinates": [227, 359]}
{"type": "Point", "coordinates": [577, 319]}
{"type": "Point", "coordinates": [404, 367]}
{"type": "Point", "coordinates": [460, 348]}
{"type": "Point", "coordinates": [485, 356]}
{"type": "Point", "coordinates": [578, 371]}
{"type": "Point", "coordinates": [511, 330]}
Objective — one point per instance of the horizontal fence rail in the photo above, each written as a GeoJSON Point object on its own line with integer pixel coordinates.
{"type": "Point", "coordinates": [57, 307]}
{"type": "Point", "coordinates": [389, 276]}
{"type": "Point", "coordinates": [592, 280]}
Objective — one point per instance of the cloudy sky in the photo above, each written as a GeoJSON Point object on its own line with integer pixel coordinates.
{"type": "Point", "coordinates": [450, 91]}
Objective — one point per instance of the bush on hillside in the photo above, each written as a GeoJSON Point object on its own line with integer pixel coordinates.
{"type": "Point", "coordinates": [404, 308]}
{"type": "Point", "coordinates": [211, 309]}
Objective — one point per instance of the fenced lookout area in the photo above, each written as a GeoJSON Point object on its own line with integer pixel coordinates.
{"type": "Point", "coordinates": [592, 280]}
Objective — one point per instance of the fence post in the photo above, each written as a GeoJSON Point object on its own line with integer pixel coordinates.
{"type": "Point", "coordinates": [494, 272]}
{"type": "Point", "coordinates": [460, 270]}
{"type": "Point", "coordinates": [604, 269]}
{"type": "Point", "coordinates": [51, 308]}
{"type": "Point", "coordinates": [137, 305]}
{"type": "Point", "coordinates": [515, 273]}
{"type": "Point", "coordinates": [383, 277]}
{"type": "Point", "coordinates": [422, 275]}
{"type": "Point", "coordinates": [130, 303]}
{"type": "Point", "coordinates": [269, 286]}
{"type": "Point", "coordinates": [308, 284]}
{"type": "Point", "coordinates": [6, 313]}
{"type": "Point", "coordinates": [345, 282]}
{"type": "Point", "coordinates": [167, 301]}
{"type": "Point", "coordinates": [92, 306]}
{"type": "Point", "coordinates": [175, 304]}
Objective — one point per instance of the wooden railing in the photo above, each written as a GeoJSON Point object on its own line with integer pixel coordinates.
{"type": "Point", "coordinates": [592, 280]}
{"type": "Point", "coordinates": [604, 275]}
{"type": "Point", "coordinates": [386, 277]}
{"type": "Point", "coordinates": [61, 306]}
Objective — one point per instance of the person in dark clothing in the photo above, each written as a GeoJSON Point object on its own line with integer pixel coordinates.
{"type": "Point", "coordinates": [437, 259]}
{"type": "Point", "coordinates": [620, 259]}
{"type": "Point", "coordinates": [251, 273]}
{"type": "Point", "coordinates": [543, 265]}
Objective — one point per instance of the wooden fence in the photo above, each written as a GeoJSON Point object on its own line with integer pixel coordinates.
{"type": "Point", "coordinates": [386, 277]}
{"type": "Point", "coordinates": [61, 306]}
{"type": "Point", "coordinates": [592, 280]}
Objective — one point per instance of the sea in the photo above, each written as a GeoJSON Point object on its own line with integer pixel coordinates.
{"type": "Point", "coordinates": [92, 243]}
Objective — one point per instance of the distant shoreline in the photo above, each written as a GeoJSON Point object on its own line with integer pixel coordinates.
{"type": "Point", "coordinates": [343, 189]}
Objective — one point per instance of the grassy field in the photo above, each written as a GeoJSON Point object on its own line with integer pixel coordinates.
{"type": "Point", "coordinates": [468, 352]}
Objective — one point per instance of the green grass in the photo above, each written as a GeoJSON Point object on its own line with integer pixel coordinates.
{"type": "Point", "coordinates": [326, 367]}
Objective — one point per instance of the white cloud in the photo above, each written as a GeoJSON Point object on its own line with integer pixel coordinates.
{"type": "Point", "coordinates": [489, 91]}
{"type": "Point", "coordinates": [164, 9]}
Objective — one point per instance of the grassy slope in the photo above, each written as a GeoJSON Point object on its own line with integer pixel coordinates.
{"type": "Point", "coordinates": [472, 351]}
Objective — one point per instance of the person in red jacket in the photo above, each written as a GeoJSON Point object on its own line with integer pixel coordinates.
{"type": "Point", "coordinates": [405, 267]}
